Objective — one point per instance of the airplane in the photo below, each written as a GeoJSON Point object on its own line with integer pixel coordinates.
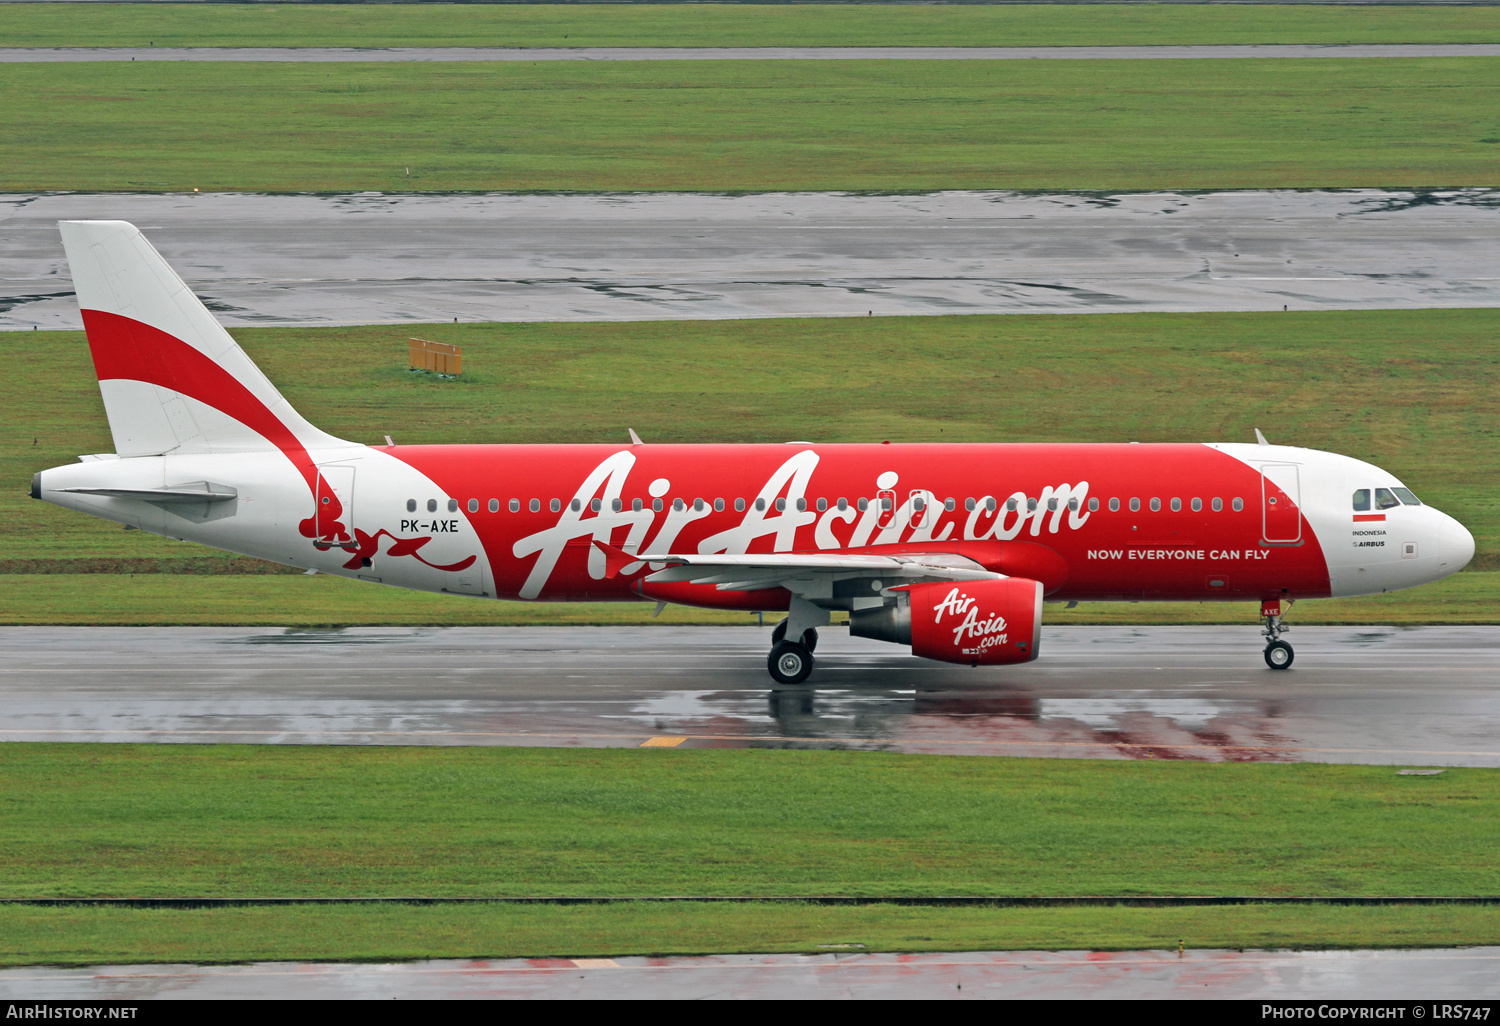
{"type": "Point", "coordinates": [949, 549]}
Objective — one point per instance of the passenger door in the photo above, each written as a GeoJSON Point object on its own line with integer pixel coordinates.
{"type": "Point", "coordinates": [335, 515]}
{"type": "Point", "coordinates": [1280, 501]}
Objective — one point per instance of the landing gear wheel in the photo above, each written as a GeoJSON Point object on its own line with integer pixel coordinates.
{"type": "Point", "coordinates": [1279, 655]}
{"type": "Point", "coordinates": [809, 636]}
{"type": "Point", "coordinates": [789, 663]}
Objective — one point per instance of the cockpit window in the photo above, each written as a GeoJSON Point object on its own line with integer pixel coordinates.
{"type": "Point", "coordinates": [1406, 497]}
{"type": "Point", "coordinates": [1362, 500]}
{"type": "Point", "coordinates": [1385, 500]}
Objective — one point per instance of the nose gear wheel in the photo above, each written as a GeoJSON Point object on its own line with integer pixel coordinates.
{"type": "Point", "coordinates": [1279, 655]}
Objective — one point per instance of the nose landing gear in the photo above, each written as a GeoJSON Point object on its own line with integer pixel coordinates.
{"type": "Point", "coordinates": [1278, 653]}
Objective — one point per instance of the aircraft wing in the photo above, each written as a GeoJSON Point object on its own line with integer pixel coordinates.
{"type": "Point", "coordinates": [783, 570]}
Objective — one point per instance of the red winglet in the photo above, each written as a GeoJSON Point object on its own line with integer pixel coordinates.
{"type": "Point", "coordinates": [615, 559]}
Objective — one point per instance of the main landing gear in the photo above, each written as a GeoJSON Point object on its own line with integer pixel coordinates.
{"type": "Point", "coordinates": [1279, 654]}
{"type": "Point", "coordinates": [790, 662]}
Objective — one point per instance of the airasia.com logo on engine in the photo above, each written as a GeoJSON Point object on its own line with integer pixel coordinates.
{"type": "Point", "coordinates": [988, 632]}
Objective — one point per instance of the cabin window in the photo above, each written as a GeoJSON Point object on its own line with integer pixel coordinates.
{"type": "Point", "coordinates": [494, 505]}
{"type": "Point", "coordinates": [919, 509]}
{"type": "Point", "coordinates": [718, 505]}
{"type": "Point", "coordinates": [411, 505]}
{"type": "Point", "coordinates": [1114, 505]}
{"type": "Point", "coordinates": [473, 505]}
{"type": "Point", "coordinates": [760, 505]}
{"type": "Point", "coordinates": [950, 504]}
{"type": "Point", "coordinates": [452, 505]}
{"type": "Point", "coordinates": [555, 505]}
{"type": "Point", "coordinates": [1051, 505]}
{"type": "Point", "coordinates": [597, 505]}
{"type": "Point", "coordinates": [843, 503]}
{"type": "Point", "coordinates": [863, 503]}
{"type": "Point", "coordinates": [1407, 497]}
{"type": "Point", "coordinates": [1093, 505]}
{"type": "Point", "coordinates": [1237, 505]}
{"type": "Point", "coordinates": [1218, 504]}
{"type": "Point", "coordinates": [677, 506]}
{"type": "Point", "coordinates": [780, 505]}
{"type": "Point", "coordinates": [1386, 499]}
{"type": "Point", "coordinates": [1030, 505]}
{"type": "Point", "coordinates": [656, 505]}
{"type": "Point", "coordinates": [515, 505]}
{"type": "Point", "coordinates": [1073, 505]}
{"type": "Point", "coordinates": [1197, 505]}
{"type": "Point", "coordinates": [1176, 504]}
{"type": "Point", "coordinates": [1362, 500]}
{"type": "Point", "coordinates": [1010, 504]}
{"type": "Point", "coordinates": [1155, 504]}
{"type": "Point", "coordinates": [739, 505]}
{"type": "Point", "coordinates": [1135, 505]}
{"type": "Point", "coordinates": [801, 505]}
{"type": "Point", "coordinates": [822, 505]}
{"type": "Point", "coordinates": [576, 506]}
{"type": "Point", "coordinates": [992, 504]}
{"type": "Point", "coordinates": [536, 505]}
{"type": "Point", "coordinates": [432, 505]}
{"type": "Point", "coordinates": [969, 504]}
{"type": "Point", "coordinates": [699, 505]}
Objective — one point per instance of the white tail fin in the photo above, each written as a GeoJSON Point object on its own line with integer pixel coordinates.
{"type": "Point", "coordinates": [173, 380]}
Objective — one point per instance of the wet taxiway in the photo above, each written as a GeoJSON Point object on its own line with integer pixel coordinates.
{"type": "Point", "coordinates": [1461, 974]}
{"type": "Point", "coordinates": [1425, 696]}
{"type": "Point", "coordinates": [324, 54]}
{"type": "Point", "coordinates": [376, 258]}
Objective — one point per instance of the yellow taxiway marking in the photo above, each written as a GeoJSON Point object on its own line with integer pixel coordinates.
{"type": "Point", "coordinates": [596, 963]}
{"type": "Point", "coordinates": [663, 742]}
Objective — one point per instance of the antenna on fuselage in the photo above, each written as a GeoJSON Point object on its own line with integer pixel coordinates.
{"type": "Point", "coordinates": [635, 439]}
{"type": "Point", "coordinates": [1260, 438]}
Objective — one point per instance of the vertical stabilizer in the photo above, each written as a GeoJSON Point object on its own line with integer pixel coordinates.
{"type": "Point", "coordinates": [172, 378]}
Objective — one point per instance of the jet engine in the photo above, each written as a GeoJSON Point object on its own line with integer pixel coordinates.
{"type": "Point", "coordinates": [975, 622]}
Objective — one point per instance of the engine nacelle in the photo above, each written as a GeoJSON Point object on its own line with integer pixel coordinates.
{"type": "Point", "coordinates": [977, 622]}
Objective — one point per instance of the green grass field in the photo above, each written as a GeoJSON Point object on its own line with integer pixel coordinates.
{"type": "Point", "coordinates": [94, 935]}
{"type": "Point", "coordinates": [88, 24]}
{"type": "Point", "coordinates": [179, 820]}
{"type": "Point", "coordinates": [116, 820]}
{"type": "Point", "coordinates": [751, 126]}
{"type": "Point", "coordinates": [1412, 391]}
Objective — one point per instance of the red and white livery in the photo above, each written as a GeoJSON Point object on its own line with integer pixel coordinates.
{"type": "Point", "coordinates": [947, 548]}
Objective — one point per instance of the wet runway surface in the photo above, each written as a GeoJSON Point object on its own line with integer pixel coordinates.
{"type": "Point", "coordinates": [1447, 975]}
{"type": "Point", "coordinates": [1414, 697]}
{"type": "Point", "coordinates": [374, 258]}
{"type": "Point", "coordinates": [322, 54]}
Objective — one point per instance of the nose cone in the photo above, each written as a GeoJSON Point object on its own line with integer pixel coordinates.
{"type": "Point", "coordinates": [1455, 545]}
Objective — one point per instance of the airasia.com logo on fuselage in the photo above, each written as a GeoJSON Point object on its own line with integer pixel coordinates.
{"type": "Point", "coordinates": [1056, 505]}
{"type": "Point", "coordinates": [987, 632]}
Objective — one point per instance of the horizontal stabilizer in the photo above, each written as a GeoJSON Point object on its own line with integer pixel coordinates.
{"type": "Point", "coordinates": [186, 493]}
